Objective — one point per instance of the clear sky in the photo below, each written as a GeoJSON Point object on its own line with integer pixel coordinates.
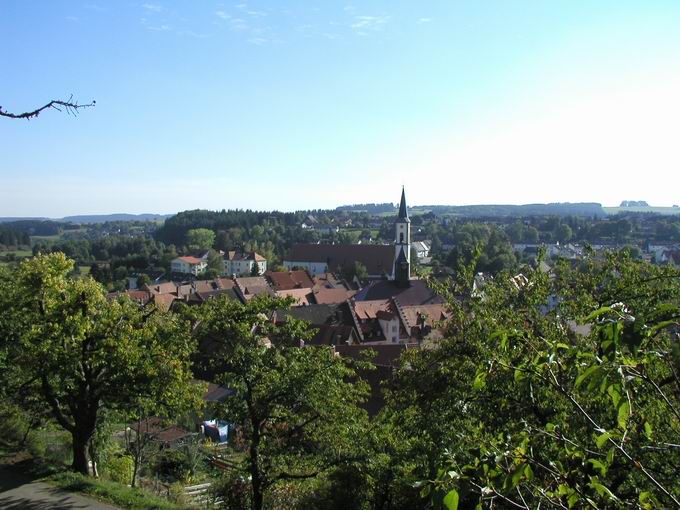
{"type": "Point", "coordinates": [299, 104]}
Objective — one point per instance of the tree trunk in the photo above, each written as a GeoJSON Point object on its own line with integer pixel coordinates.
{"type": "Point", "coordinates": [255, 474]}
{"type": "Point", "coordinates": [80, 460]}
{"type": "Point", "coordinates": [135, 467]}
{"type": "Point", "coordinates": [257, 495]}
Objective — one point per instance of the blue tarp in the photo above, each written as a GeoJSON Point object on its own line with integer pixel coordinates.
{"type": "Point", "coordinates": [216, 430]}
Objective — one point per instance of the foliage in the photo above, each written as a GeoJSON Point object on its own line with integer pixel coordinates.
{"type": "Point", "coordinates": [357, 270]}
{"type": "Point", "coordinates": [178, 464]}
{"type": "Point", "coordinates": [200, 239]}
{"type": "Point", "coordinates": [120, 468]}
{"type": "Point", "coordinates": [533, 411]}
{"type": "Point", "coordinates": [487, 246]}
{"type": "Point", "coordinates": [233, 490]}
{"type": "Point", "coordinates": [82, 354]}
{"type": "Point", "coordinates": [296, 407]}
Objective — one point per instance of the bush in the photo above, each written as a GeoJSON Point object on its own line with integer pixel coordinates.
{"type": "Point", "coordinates": [119, 469]}
{"type": "Point", "coordinates": [181, 464]}
{"type": "Point", "coordinates": [233, 490]}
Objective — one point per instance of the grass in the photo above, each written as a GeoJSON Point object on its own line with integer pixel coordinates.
{"type": "Point", "coordinates": [103, 490]}
{"type": "Point", "coordinates": [110, 492]}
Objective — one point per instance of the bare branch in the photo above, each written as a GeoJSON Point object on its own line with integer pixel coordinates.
{"type": "Point", "coordinates": [70, 106]}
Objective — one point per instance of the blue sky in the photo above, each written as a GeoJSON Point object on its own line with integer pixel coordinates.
{"type": "Point", "coordinates": [301, 104]}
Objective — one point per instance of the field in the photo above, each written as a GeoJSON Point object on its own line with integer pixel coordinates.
{"type": "Point", "coordinates": [655, 210]}
{"type": "Point", "coordinates": [14, 255]}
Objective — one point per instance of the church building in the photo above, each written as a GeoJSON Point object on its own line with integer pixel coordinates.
{"type": "Point", "coordinates": [402, 245]}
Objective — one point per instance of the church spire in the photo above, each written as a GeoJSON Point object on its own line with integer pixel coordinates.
{"type": "Point", "coordinates": [401, 273]}
{"type": "Point", "coordinates": [403, 213]}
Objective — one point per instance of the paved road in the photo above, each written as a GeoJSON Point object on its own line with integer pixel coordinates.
{"type": "Point", "coordinates": [17, 492]}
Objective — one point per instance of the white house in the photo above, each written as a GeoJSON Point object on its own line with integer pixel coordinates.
{"type": "Point", "coordinates": [239, 264]}
{"type": "Point", "coordinates": [188, 265]}
{"type": "Point", "coordinates": [421, 249]}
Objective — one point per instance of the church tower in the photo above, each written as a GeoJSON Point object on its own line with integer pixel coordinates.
{"type": "Point", "coordinates": [402, 245]}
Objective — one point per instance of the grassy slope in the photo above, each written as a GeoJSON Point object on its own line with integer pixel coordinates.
{"type": "Point", "coordinates": [110, 492]}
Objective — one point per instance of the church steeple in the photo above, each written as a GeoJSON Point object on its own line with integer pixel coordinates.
{"type": "Point", "coordinates": [402, 244]}
{"type": "Point", "coordinates": [403, 213]}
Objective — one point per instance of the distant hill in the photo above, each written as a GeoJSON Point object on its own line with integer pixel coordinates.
{"type": "Point", "coordinates": [554, 209]}
{"type": "Point", "coordinates": [91, 218]}
{"type": "Point", "coordinates": [7, 219]}
{"type": "Point", "coordinates": [101, 218]}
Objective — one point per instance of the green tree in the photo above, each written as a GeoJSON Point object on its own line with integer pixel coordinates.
{"type": "Point", "coordinates": [84, 354]}
{"type": "Point", "coordinates": [200, 239]}
{"type": "Point", "coordinates": [531, 235]}
{"type": "Point", "coordinates": [357, 269]}
{"type": "Point", "coordinates": [255, 271]}
{"type": "Point", "coordinates": [563, 233]}
{"type": "Point", "coordinates": [215, 262]}
{"type": "Point", "coordinates": [297, 407]}
{"type": "Point", "coordinates": [540, 412]}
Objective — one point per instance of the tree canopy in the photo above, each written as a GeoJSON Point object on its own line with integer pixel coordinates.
{"type": "Point", "coordinates": [81, 353]}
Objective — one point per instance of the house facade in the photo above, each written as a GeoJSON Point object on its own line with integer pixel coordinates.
{"type": "Point", "coordinates": [188, 265]}
{"type": "Point", "coordinates": [242, 264]}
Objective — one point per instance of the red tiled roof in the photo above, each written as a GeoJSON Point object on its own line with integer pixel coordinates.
{"type": "Point", "coordinates": [164, 301]}
{"type": "Point", "coordinates": [429, 313]}
{"type": "Point", "coordinates": [225, 283]}
{"type": "Point", "coordinates": [326, 281]}
{"type": "Point", "coordinates": [303, 297]}
{"type": "Point", "coordinates": [369, 309]}
{"type": "Point", "coordinates": [204, 285]}
{"type": "Point", "coordinates": [329, 296]}
{"type": "Point", "coordinates": [286, 280]}
{"type": "Point", "coordinates": [190, 260]}
{"type": "Point", "coordinates": [251, 255]}
{"type": "Point", "coordinates": [162, 288]}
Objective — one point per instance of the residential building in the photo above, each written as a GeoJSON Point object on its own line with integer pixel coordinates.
{"type": "Point", "coordinates": [241, 264]}
{"type": "Point", "coordinates": [421, 249]}
{"type": "Point", "coordinates": [188, 265]}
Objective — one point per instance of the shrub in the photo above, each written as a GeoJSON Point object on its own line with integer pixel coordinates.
{"type": "Point", "coordinates": [233, 491]}
{"type": "Point", "coordinates": [119, 469]}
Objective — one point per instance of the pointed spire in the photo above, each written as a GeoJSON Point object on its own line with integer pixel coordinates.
{"type": "Point", "coordinates": [403, 213]}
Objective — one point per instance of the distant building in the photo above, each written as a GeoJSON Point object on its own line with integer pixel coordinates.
{"type": "Point", "coordinates": [241, 264]}
{"type": "Point", "coordinates": [188, 265]}
{"type": "Point", "coordinates": [324, 258]}
{"type": "Point", "coordinates": [421, 249]}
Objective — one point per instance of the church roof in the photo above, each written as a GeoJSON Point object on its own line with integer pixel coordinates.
{"type": "Point", "coordinates": [403, 213]}
{"type": "Point", "coordinates": [377, 258]}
